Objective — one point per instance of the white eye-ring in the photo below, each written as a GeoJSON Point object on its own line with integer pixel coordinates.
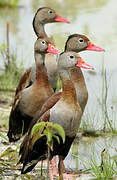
{"type": "Point", "coordinates": [71, 56]}
{"type": "Point", "coordinates": [50, 12]}
{"type": "Point", "coordinates": [43, 42]}
{"type": "Point", "coordinates": [81, 40]}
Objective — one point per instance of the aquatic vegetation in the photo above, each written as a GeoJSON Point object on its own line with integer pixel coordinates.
{"type": "Point", "coordinates": [107, 169]}
{"type": "Point", "coordinates": [11, 74]}
{"type": "Point", "coordinates": [102, 117]}
{"type": "Point", "coordinates": [101, 121]}
{"type": "Point", "coordinates": [8, 3]}
{"type": "Point", "coordinates": [47, 129]}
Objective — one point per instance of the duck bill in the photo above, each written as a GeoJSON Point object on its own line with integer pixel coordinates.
{"type": "Point", "coordinates": [93, 47]}
{"type": "Point", "coordinates": [60, 19]}
{"type": "Point", "coordinates": [52, 49]}
{"type": "Point", "coordinates": [83, 64]}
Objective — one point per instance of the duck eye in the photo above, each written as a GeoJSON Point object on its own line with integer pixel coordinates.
{"type": "Point", "coordinates": [43, 42]}
{"type": "Point", "coordinates": [71, 57]}
{"type": "Point", "coordinates": [50, 11]}
{"type": "Point", "coordinates": [81, 40]}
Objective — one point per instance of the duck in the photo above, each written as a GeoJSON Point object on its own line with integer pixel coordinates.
{"type": "Point", "coordinates": [66, 112]}
{"type": "Point", "coordinates": [31, 99]}
{"type": "Point", "coordinates": [43, 16]}
{"type": "Point", "coordinates": [76, 43]}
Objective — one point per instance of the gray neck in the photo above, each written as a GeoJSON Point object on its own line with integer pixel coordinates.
{"type": "Point", "coordinates": [39, 28]}
{"type": "Point", "coordinates": [65, 73]}
{"type": "Point", "coordinates": [39, 58]}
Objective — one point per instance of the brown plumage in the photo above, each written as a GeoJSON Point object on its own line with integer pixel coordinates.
{"type": "Point", "coordinates": [76, 43]}
{"type": "Point", "coordinates": [31, 99]}
{"type": "Point", "coordinates": [66, 112]}
{"type": "Point", "coordinates": [73, 43]}
{"type": "Point", "coordinates": [43, 16]}
{"type": "Point", "coordinates": [24, 81]}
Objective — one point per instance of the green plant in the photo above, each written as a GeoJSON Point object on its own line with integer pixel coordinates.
{"type": "Point", "coordinates": [8, 3]}
{"type": "Point", "coordinates": [12, 73]}
{"type": "Point", "coordinates": [48, 129]}
{"type": "Point", "coordinates": [106, 170]}
{"type": "Point", "coordinates": [89, 124]}
{"type": "Point", "coordinates": [103, 100]}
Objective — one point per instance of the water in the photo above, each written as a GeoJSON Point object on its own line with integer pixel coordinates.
{"type": "Point", "coordinates": [89, 148]}
{"type": "Point", "coordinates": [97, 20]}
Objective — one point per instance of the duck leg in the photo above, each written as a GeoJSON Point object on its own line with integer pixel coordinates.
{"type": "Point", "coordinates": [52, 168]}
{"type": "Point", "coordinates": [63, 173]}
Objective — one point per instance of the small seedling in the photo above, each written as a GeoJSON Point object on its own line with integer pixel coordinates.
{"type": "Point", "coordinates": [50, 130]}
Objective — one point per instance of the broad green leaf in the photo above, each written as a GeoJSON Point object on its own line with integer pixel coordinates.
{"type": "Point", "coordinates": [35, 138]}
{"type": "Point", "coordinates": [37, 127]}
{"type": "Point", "coordinates": [60, 130]}
{"type": "Point", "coordinates": [49, 134]}
{"type": "Point", "coordinates": [49, 124]}
{"type": "Point", "coordinates": [57, 138]}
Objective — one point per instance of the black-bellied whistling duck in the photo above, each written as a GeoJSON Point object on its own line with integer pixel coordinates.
{"type": "Point", "coordinates": [31, 99]}
{"type": "Point", "coordinates": [77, 43]}
{"type": "Point", "coordinates": [43, 16]}
{"type": "Point", "coordinates": [66, 112]}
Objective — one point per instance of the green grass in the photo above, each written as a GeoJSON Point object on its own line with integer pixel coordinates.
{"type": "Point", "coordinates": [10, 76]}
{"type": "Point", "coordinates": [9, 81]}
{"type": "Point", "coordinates": [107, 169]}
{"type": "Point", "coordinates": [9, 3]}
{"type": "Point", "coordinates": [102, 119]}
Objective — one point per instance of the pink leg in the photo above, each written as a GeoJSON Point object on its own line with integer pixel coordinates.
{"type": "Point", "coordinates": [63, 173]}
{"type": "Point", "coordinates": [52, 168]}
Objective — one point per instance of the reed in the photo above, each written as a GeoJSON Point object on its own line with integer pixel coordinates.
{"type": "Point", "coordinates": [11, 73]}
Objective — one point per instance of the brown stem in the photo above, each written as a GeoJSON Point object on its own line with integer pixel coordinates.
{"type": "Point", "coordinates": [60, 168]}
{"type": "Point", "coordinates": [8, 49]}
{"type": "Point", "coordinates": [48, 166]}
{"type": "Point", "coordinates": [42, 168]}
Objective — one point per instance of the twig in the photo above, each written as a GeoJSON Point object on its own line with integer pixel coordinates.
{"type": "Point", "coordinates": [8, 48]}
{"type": "Point", "coordinates": [48, 162]}
{"type": "Point", "coordinates": [42, 168]}
{"type": "Point", "coordinates": [106, 95]}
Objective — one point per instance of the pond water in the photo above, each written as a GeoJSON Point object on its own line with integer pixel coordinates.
{"type": "Point", "coordinates": [98, 21]}
{"type": "Point", "coordinates": [88, 148]}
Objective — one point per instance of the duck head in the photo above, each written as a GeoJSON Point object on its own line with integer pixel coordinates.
{"type": "Point", "coordinates": [43, 45]}
{"type": "Point", "coordinates": [46, 15]}
{"type": "Point", "coordinates": [78, 42]}
{"type": "Point", "coordinates": [70, 60]}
